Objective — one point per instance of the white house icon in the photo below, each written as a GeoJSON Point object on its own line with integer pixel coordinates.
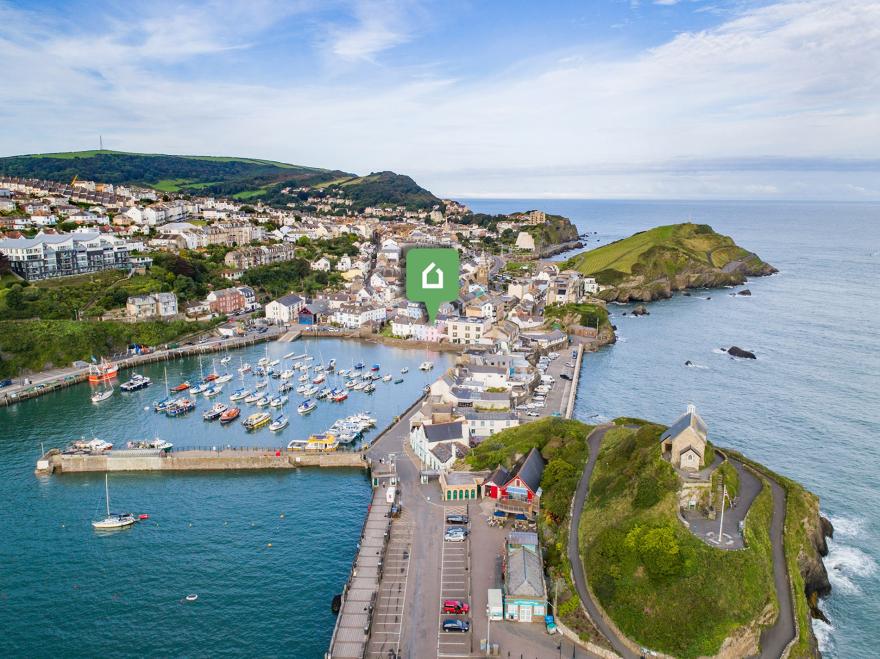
{"type": "Point", "coordinates": [427, 271]}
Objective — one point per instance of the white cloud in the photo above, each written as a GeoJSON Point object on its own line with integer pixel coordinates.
{"type": "Point", "coordinates": [697, 116]}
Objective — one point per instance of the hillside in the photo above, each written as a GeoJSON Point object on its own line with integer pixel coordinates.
{"type": "Point", "coordinates": [555, 235]}
{"type": "Point", "coordinates": [654, 263]}
{"type": "Point", "coordinates": [243, 178]}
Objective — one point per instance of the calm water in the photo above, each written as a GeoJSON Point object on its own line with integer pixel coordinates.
{"type": "Point", "coordinates": [808, 407]}
{"type": "Point", "coordinates": [67, 591]}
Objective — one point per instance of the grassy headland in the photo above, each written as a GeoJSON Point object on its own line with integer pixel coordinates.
{"type": "Point", "coordinates": [651, 264]}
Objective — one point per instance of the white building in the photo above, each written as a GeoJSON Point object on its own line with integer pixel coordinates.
{"type": "Point", "coordinates": [285, 309]}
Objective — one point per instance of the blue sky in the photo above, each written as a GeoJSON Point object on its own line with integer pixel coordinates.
{"type": "Point", "coordinates": [606, 98]}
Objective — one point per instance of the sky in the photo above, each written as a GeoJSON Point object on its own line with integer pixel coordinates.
{"type": "Point", "coordinates": [657, 99]}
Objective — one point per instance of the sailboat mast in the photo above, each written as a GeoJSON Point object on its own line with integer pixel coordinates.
{"type": "Point", "coordinates": [107, 493]}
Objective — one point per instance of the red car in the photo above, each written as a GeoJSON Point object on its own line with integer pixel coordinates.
{"type": "Point", "coordinates": [455, 606]}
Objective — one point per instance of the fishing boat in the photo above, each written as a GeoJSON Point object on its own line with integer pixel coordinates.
{"type": "Point", "coordinates": [212, 391]}
{"type": "Point", "coordinates": [88, 446]}
{"type": "Point", "coordinates": [370, 388]}
{"type": "Point", "coordinates": [338, 395]}
{"type": "Point", "coordinates": [238, 394]}
{"type": "Point", "coordinates": [307, 406]}
{"type": "Point", "coordinates": [318, 380]}
{"type": "Point", "coordinates": [103, 371]}
{"type": "Point", "coordinates": [98, 396]}
{"type": "Point", "coordinates": [280, 423]}
{"type": "Point", "coordinates": [278, 401]}
{"type": "Point", "coordinates": [230, 415]}
{"type": "Point", "coordinates": [375, 367]}
{"type": "Point", "coordinates": [386, 377]}
{"type": "Point", "coordinates": [426, 366]}
{"type": "Point", "coordinates": [257, 420]}
{"type": "Point", "coordinates": [215, 412]}
{"type": "Point", "coordinates": [359, 366]}
{"type": "Point", "coordinates": [183, 386]}
{"type": "Point", "coordinates": [398, 381]}
{"type": "Point", "coordinates": [112, 521]}
{"type": "Point", "coordinates": [181, 407]}
{"type": "Point", "coordinates": [404, 370]}
{"type": "Point", "coordinates": [149, 445]}
{"type": "Point", "coordinates": [325, 392]}
{"type": "Point", "coordinates": [262, 384]}
{"type": "Point", "coordinates": [225, 377]}
{"type": "Point", "coordinates": [136, 382]}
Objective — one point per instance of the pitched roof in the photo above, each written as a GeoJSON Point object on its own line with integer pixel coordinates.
{"type": "Point", "coordinates": [499, 476]}
{"type": "Point", "coordinates": [524, 577]}
{"type": "Point", "coordinates": [289, 300]}
{"type": "Point", "coordinates": [529, 470]}
{"type": "Point", "coordinates": [444, 452]}
{"type": "Point", "coordinates": [438, 432]}
{"type": "Point", "coordinates": [688, 419]}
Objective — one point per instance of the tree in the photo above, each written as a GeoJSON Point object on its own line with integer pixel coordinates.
{"type": "Point", "coordinates": [5, 266]}
{"type": "Point", "coordinates": [14, 297]}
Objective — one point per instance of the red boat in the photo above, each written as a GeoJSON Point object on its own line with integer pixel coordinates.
{"type": "Point", "coordinates": [103, 371]}
{"type": "Point", "coordinates": [230, 415]}
{"type": "Point", "coordinates": [211, 377]}
{"type": "Point", "coordinates": [183, 386]}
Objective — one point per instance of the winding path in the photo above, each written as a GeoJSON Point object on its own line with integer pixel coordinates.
{"type": "Point", "coordinates": [774, 639]}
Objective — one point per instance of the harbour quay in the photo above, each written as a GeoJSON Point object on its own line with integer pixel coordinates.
{"type": "Point", "coordinates": [225, 459]}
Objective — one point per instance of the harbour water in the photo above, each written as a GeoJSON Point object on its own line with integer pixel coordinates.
{"type": "Point", "coordinates": [808, 407]}
{"type": "Point", "coordinates": [264, 551]}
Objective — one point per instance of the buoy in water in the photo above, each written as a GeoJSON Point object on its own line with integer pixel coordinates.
{"type": "Point", "coordinates": [269, 545]}
{"type": "Point", "coordinates": [192, 597]}
{"type": "Point", "coordinates": [143, 517]}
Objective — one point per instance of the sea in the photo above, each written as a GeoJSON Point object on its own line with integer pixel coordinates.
{"type": "Point", "coordinates": [807, 407]}
{"type": "Point", "coordinates": [265, 552]}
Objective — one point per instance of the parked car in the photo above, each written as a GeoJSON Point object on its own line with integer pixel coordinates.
{"type": "Point", "coordinates": [5, 383]}
{"type": "Point", "coordinates": [565, 376]}
{"type": "Point", "coordinates": [457, 519]}
{"type": "Point", "coordinates": [453, 625]}
{"type": "Point", "coordinates": [455, 606]}
{"type": "Point", "coordinates": [532, 414]}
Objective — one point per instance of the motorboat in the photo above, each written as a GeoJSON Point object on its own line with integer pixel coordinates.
{"type": "Point", "coordinates": [308, 358]}
{"type": "Point", "coordinates": [181, 407]}
{"type": "Point", "coordinates": [212, 391]}
{"type": "Point", "coordinates": [398, 381]}
{"type": "Point", "coordinates": [280, 423]}
{"type": "Point", "coordinates": [226, 360]}
{"type": "Point", "coordinates": [262, 361]}
{"type": "Point", "coordinates": [112, 521]}
{"type": "Point", "coordinates": [374, 367]}
{"type": "Point", "coordinates": [257, 420]}
{"type": "Point", "coordinates": [211, 377]}
{"type": "Point", "coordinates": [149, 445]}
{"type": "Point", "coordinates": [88, 446]}
{"type": "Point", "coordinates": [225, 377]}
{"type": "Point", "coordinates": [98, 396]}
{"type": "Point", "coordinates": [318, 380]}
{"type": "Point", "coordinates": [252, 398]}
{"type": "Point", "coordinates": [318, 368]}
{"type": "Point", "coordinates": [426, 366]}
{"type": "Point", "coordinates": [325, 392]}
{"type": "Point", "coordinates": [230, 415]}
{"type": "Point", "coordinates": [200, 388]}
{"type": "Point", "coordinates": [359, 385]}
{"type": "Point", "coordinates": [375, 376]}
{"type": "Point", "coordinates": [245, 368]}
{"type": "Point", "coordinates": [331, 365]}
{"type": "Point", "coordinates": [278, 401]}
{"type": "Point", "coordinates": [302, 388]}
{"type": "Point", "coordinates": [136, 382]}
{"type": "Point", "coordinates": [275, 362]}
{"type": "Point", "coordinates": [349, 384]}
{"type": "Point", "coordinates": [240, 394]}
{"type": "Point", "coordinates": [370, 388]}
{"type": "Point", "coordinates": [404, 370]}
{"type": "Point", "coordinates": [303, 378]}
{"type": "Point", "coordinates": [338, 395]}
{"type": "Point", "coordinates": [264, 400]}
{"type": "Point", "coordinates": [215, 412]}
{"type": "Point", "coordinates": [285, 387]}
{"type": "Point", "coordinates": [310, 391]}
{"type": "Point", "coordinates": [183, 386]}
{"type": "Point", "coordinates": [343, 372]}
{"type": "Point", "coordinates": [307, 406]}
{"type": "Point", "coordinates": [287, 374]}
{"type": "Point", "coordinates": [262, 384]}
{"type": "Point", "coordinates": [359, 366]}
{"type": "Point", "coordinates": [386, 377]}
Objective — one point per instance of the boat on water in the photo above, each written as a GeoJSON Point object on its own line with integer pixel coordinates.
{"type": "Point", "coordinates": [285, 387]}
{"type": "Point", "coordinates": [262, 361]}
{"type": "Point", "coordinates": [302, 388]}
{"type": "Point", "coordinates": [112, 521]}
{"type": "Point", "coordinates": [338, 395]}
{"type": "Point", "coordinates": [404, 370]}
{"type": "Point", "coordinates": [215, 412]}
{"type": "Point", "coordinates": [331, 365]}
{"type": "Point", "coordinates": [225, 377]}
{"type": "Point", "coordinates": [257, 420]}
{"type": "Point", "coordinates": [275, 362]}
{"type": "Point", "coordinates": [98, 396]}
{"type": "Point", "coordinates": [289, 355]}
{"type": "Point", "coordinates": [398, 381]}
{"type": "Point", "coordinates": [358, 386]}
{"type": "Point", "coordinates": [155, 444]}
{"type": "Point", "coordinates": [426, 366]}
{"type": "Point", "coordinates": [278, 401]}
{"type": "Point", "coordinates": [318, 380]}
{"type": "Point", "coordinates": [244, 368]}
{"type": "Point", "coordinates": [286, 374]}
{"type": "Point", "coordinates": [103, 371]}
{"type": "Point", "coordinates": [264, 400]}
{"type": "Point", "coordinates": [183, 386]}
{"type": "Point", "coordinates": [164, 404]}
{"type": "Point", "coordinates": [279, 423]}
{"type": "Point", "coordinates": [239, 394]}
{"type": "Point", "coordinates": [374, 367]}
{"type": "Point", "coordinates": [343, 372]}
{"type": "Point", "coordinates": [370, 388]}
{"type": "Point", "coordinates": [321, 443]}
{"type": "Point", "coordinates": [262, 384]}
{"type": "Point", "coordinates": [213, 391]}
{"type": "Point", "coordinates": [307, 406]}
{"type": "Point", "coordinates": [349, 384]}
{"type": "Point", "coordinates": [325, 392]}
{"type": "Point", "coordinates": [230, 415]}
{"type": "Point", "coordinates": [310, 391]}
{"type": "Point", "coordinates": [136, 382]}
{"type": "Point", "coordinates": [296, 358]}
{"type": "Point", "coordinates": [359, 366]}
{"type": "Point", "coordinates": [180, 407]}
{"type": "Point", "coordinates": [308, 358]}
{"type": "Point", "coordinates": [84, 445]}
{"type": "Point", "coordinates": [226, 360]}
{"type": "Point", "coordinates": [199, 388]}
{"type": "Point", "coordinates": [374, 377]}
{"type": "Point", "coordinates": [210, 377]}
{"type": "Point", "coordinates": [318, 368]}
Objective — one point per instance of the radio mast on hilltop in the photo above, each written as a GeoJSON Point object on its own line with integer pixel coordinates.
{"type": "Point", "coordinates": [100, 142]}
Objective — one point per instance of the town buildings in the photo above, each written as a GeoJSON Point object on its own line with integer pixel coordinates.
{"type": "Point", "coordinates": [60, 255]}
{"type": "Point", "coordinates": [151, 306]}
{"type": "Point", "coordinates": [285, 309]}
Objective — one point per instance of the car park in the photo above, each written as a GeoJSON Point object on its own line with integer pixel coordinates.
{"type": "Point", "coordinates": [455, 606]}
{"type": "Point", "coordinates": [532, 414]}
{"type": "Point", "coordinates": [454, 625]}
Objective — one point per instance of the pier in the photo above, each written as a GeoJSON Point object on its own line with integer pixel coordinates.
{"type": "Point", "coordinates": [195, 459]}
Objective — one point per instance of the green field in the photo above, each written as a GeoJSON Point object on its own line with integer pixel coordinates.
{"type": "Point", "coordinates": [663, 587]}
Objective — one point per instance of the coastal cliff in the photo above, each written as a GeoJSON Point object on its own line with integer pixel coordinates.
{"type": "Point", "coordinates": [653, 264]}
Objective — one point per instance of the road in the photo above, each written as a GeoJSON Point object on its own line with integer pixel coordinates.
{"type": "Point", "coordinates": [574, 557]}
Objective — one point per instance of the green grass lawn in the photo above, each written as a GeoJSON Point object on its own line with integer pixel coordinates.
{"type": "Point", "coordinates": [662, 586]}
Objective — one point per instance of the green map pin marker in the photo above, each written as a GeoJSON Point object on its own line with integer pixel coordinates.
{"type": "Point", "coordinates": [432, 277]}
